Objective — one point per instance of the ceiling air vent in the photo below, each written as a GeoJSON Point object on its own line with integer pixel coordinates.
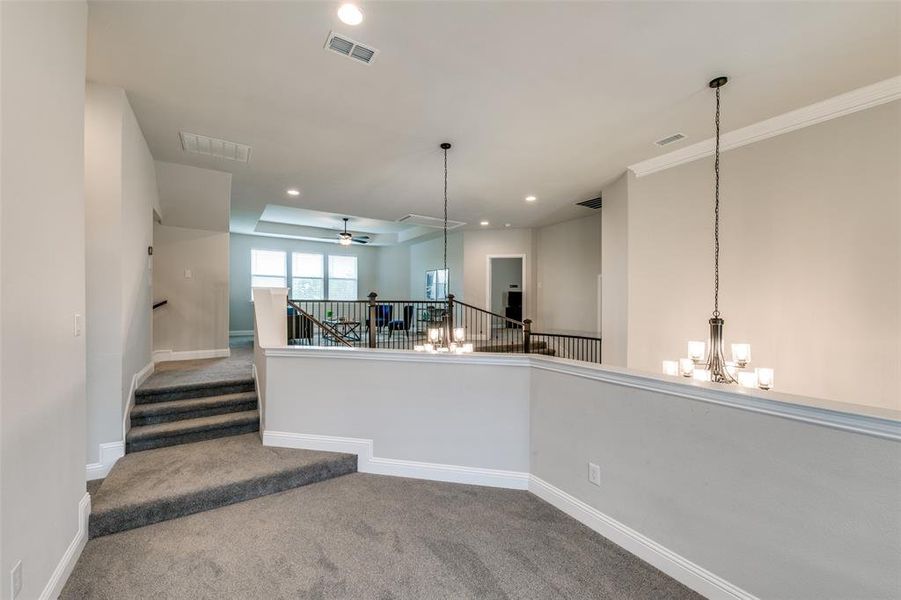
{"type": "Point", "coordinates": [349, 48]}
{"type": "Point", "coordinates": [670, 139]}
{"type": "Point", "coordinates": [593, 203]}
{"type": "Point", "coordinates": [429, 221]}
{"type": "Point", "coordinates": [201, 144]}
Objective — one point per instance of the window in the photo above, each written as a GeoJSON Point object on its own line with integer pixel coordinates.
{"type": "Point", "coordinates": [342, 277]}
{"type": "Point", "coordinates": [268, 268]}
{"type": "Point", "coordinates": [436, 284]}
{"type": "Point", "coordinates": [306, 277]}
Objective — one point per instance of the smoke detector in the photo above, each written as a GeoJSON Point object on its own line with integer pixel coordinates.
{"type": "Point", "coordinates": [351, 49]}
{"type": "Point", "coordinates": [208, 146]}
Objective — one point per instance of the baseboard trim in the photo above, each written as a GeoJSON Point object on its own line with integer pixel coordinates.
{"type": "Point", "coordinates": [64, 568]}
{"type": "Point", "coordinates": [136, 381]}
{"type": "Point", "coordinates": [368, 463]}
{"type": "Point", "coordinates": [110, 452]}
{"type": "Point", "coordinates": [240, 333]}
{"type": "Point", "coordinates": [676, 566]}
{"type": "Point", "coordinates": [169, 355]}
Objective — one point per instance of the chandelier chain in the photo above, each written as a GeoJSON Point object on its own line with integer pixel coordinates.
{"type": "Point", "coordinates": [447, 274]}
{"type": "Point", "coordinates": [716, 212]}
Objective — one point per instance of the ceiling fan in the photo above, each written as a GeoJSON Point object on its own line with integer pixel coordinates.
{"type": "Point", "coordinates": [345, 238]}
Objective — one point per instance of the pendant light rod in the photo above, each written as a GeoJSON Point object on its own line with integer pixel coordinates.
{"type": "Point", "coordinates": [716, 84]}
{"type": "Point", "coordinates": [445, 146]}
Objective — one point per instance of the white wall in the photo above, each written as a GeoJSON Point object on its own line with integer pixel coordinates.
{"type": "Point", "coordinates": [192, 235]}
{"type": "Point", "coordinates": [103, 264]}
{"type": "Point", "coordinates": [197, 314]}
{"type": "Point", "coordinates": [42, 270]}
{"type": "Point", "coordinates": [479, 245]}
{"type": "Point", "coordinates": [194, 198]}
{"type": "Point", "coordinates": [779, 507]}
{"type": "Point", "coordinates": [428, 255]}
{"type": "Point", "coordinates": [615, 272]}
{"type": "Point", "coordinates": [569, 262]}
{"type": "Point", "coordinates": [393, 270]}
{"type": "Point", "coordinates": [480, 421]}
{"type": "Point", "coordinates": [121, 197]}
{"type": "Point", "coordinates": [810, 257]}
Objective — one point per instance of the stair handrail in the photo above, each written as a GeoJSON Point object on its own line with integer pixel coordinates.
{"type": "Point", "coordinates": [493, 314]}
{"type": "Point", "coordinates": [323, 326]}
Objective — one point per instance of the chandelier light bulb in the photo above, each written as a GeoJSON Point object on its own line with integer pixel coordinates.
{"type": "Point", "coordinates": [747, 379]}
{"type": "Point", "coordinates": [701, 375]}
{"type": "Point", "coordinates": [350, 14]}
{"type": "Point", "coordinates": [741, 354]}
{"type": "Point", "coordinates": [686, 367]}
{"type": "Point", "coordinates": [696, 351]}
{"type": "Point", "coordinates": [459, 334]}
{"type": "Point", "coordinates": [765, 378]}
{"type": "Point", "coordinates": [670, 367]}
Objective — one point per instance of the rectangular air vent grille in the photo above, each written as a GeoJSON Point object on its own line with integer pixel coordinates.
{"type": "Point", "coordinates": [429, 221]}
{"type": "Point", "coordinates": [349, 48]}
{"type": "Point", "coordinates": [593, 203]}
{"type": "Point", "coordinates": [208, 146]}
{"type": "Point", "coordinates": [670, 139]}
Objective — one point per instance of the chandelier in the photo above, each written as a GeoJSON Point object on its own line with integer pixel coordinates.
{"type": "Point", "coordinates": [442, 339]}
{"type": "Point", "coordinates": [707, 361]}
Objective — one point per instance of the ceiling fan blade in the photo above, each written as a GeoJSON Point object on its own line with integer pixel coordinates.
{"type": "Point", "coordinates": [361, 240]}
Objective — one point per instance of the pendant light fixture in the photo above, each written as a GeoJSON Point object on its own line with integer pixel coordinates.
{"type": "Point", "coordinates": [345, 238]}
{"type": "Point", "coordinates": [442, 339]}
{"type": "Point", "coordinates": [713, 366]}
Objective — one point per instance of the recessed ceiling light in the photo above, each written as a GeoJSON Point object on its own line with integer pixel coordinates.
{"type": "Point", "coordinates": [350, 14]}
{"type": "Point", "coordinates": [293, 192]}
{"type": "Point", "coordinates": [531, 198]}
{"type": "Point", "coordinates": [484, 223]}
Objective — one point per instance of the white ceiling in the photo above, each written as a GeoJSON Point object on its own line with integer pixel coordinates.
{"type": "Point", "coordinates": [547, 98]}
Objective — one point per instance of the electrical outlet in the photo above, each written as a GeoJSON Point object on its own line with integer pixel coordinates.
{"type": "Point", "coordinates": [594, 474]}
{"type": "Point", "coordinates": [189, 274]}
{"type": "Point", "coordinates": [15, 580]}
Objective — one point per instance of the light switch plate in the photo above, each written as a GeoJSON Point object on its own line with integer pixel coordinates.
{"type": "Point", "coordinates": [189, 274]}
{"type": "Point", "coordinates": [594, 473]}
{"type": "Point", "coordinates": [77, 325]}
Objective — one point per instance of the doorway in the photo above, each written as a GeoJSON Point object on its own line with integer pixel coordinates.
{"type": "Point", "coordinates": [505, 289]}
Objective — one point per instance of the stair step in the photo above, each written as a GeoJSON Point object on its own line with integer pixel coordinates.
{"type": "Point", "coordinates": [178, 410]}
{"type": "Point", "coordinates": [150, 394]}
{"type": "Point", "coordinates": [167, 483]}
{"type": "Point", "coordinates": [146, 437]}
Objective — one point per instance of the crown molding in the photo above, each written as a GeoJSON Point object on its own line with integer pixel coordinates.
{"type": "Point", "coordinates": [832, 108]}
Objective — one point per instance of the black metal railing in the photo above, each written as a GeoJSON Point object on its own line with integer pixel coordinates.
{"type": "Point", "coordinates": [404, 324]}
{"type": "Point", "coordinates": [573, 347]}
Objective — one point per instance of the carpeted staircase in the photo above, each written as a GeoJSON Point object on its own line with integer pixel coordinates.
{"type": "Point", "coordinates": [191, 412]}
{"type": "Point", "coordinates": [193, 447]}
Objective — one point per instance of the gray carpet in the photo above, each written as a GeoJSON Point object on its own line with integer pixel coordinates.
{"type": "Point", "coordinates": [157, 485]}
{"type": "Point", "coordinates": [238, 366]}
{"type": "Point", "coordinates": [368, 536]}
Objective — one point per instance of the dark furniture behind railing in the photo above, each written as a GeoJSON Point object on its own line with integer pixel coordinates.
{"type": "Point", "coordinates": [321, 322]}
